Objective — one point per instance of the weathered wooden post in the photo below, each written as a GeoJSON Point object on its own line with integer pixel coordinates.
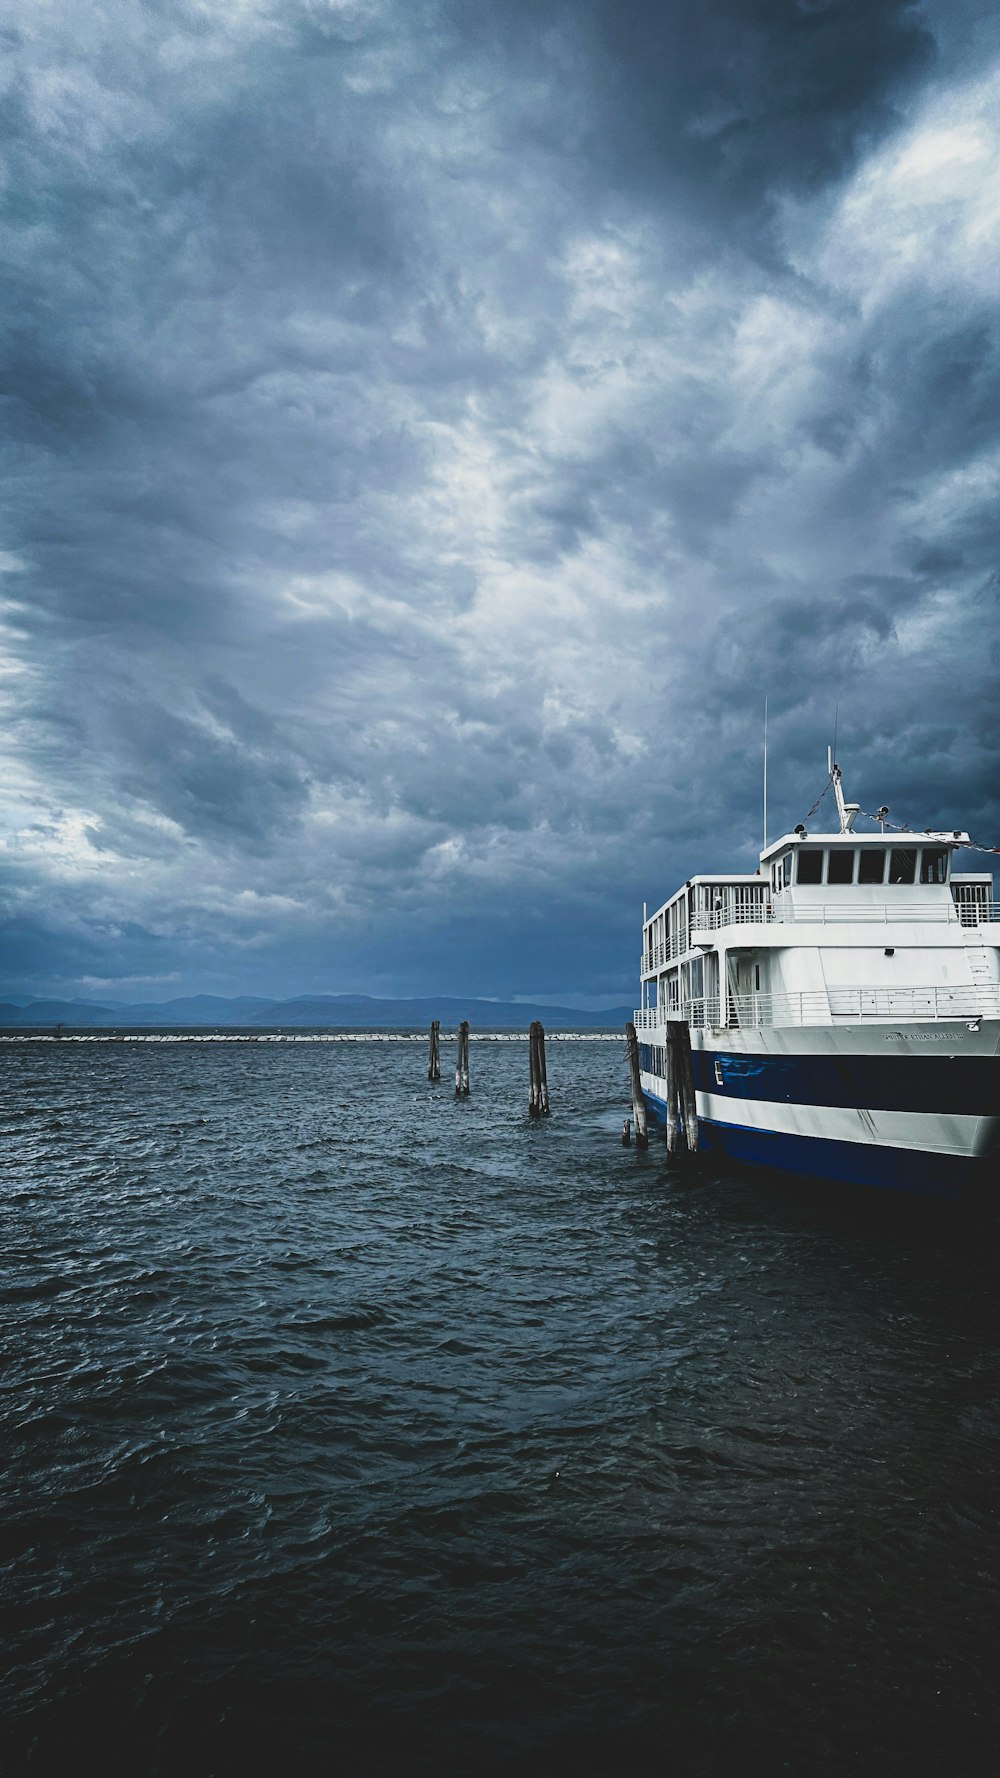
{"type": "Point", "coordinates": [434, 1052]}
{"type": "Point", "coordinates": [538, 1096]}
{"type": "Point", "coordinates": [543, 1079]}
{"type": "Point", "coordinates": [638, 1102]}
{"type": "Point", "coordinates": [689, 1103]}
{"type": "Point", "coordinates": [672, 1106]}
{"type": "Point", "coordinates": [462, 1061]}
{"type": "Point", "coordinates": [682, 1105]}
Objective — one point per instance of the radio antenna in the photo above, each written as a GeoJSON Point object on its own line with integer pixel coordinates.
{"type": "Point", "coordinates": [765, 774]}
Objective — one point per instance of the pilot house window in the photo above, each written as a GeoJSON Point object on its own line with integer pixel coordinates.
{"type": "Point", "coordinates": [810, 867]}
{"type": "Point", "coordinates": [841, 866]}
{"type": "Point", "coordinates": [871, 865]}
{"type": "Point", "coordinates": [902, 864]}
{"type": "Point", "coordinates": [934, 865]}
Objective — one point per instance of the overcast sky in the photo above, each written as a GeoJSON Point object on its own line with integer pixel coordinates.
{"type": "Point", "coordinates": [431, 427]}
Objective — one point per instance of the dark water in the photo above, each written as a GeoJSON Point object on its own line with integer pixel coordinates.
{"type": "Point", "coordinates": [349, 1428]}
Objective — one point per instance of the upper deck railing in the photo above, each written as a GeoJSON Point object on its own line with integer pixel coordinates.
{"type": "Point", "coordinates": [831, 1006]}
{"type": "Point", "coordinates": [783, 912]}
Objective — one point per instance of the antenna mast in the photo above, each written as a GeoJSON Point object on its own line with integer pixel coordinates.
{"type": "Point", "coordinates": [765, 774]}
{"type": "Point", "coordinates": [848, 812]}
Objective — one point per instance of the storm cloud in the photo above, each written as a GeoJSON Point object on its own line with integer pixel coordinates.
{"type": "Point", "coordinates": [431, 430]}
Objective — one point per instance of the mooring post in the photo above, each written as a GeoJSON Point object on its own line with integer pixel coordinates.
{"type": "Point", "coordinates": [638, 1102]}
{"type": "Point", "coordinates": [682, 1107]}
{"type": "Point", "coordinates": [462, 1061]}
{"type": "Point", "coordinates": [542, 1070]}
{"type": "Point", "coordinates": [689, 1104]}
{"type": "Point", "coordinates": [434, 1053]}
{"type": "Point", "coordinates": [538, 1098]}
{"type": "Point", "coordinates": [672, 1105]}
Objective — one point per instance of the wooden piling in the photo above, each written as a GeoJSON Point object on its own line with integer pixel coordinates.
{"type": "Point", "coordinates": [462, 1061]}
{"type": "Point", "coordinates": [543, 1079]}
{"type": "Point", "coordinates": [682, 1108]}
{"type": "Point", "coordinates": [538, 1094]}
{"type": "Point", "coordinates": [673, 1122]}
{"type": "Point", "coordinates": [434, 1052]}
{"type": "Point", "coordinates": [638, 1102]}
{"type": "Point", "coordinates": [689, 1104]}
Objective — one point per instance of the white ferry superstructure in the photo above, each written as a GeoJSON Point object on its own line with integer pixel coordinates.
{"type": "Point", "coordinates": [843, 1005]}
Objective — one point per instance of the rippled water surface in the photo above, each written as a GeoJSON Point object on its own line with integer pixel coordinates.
{"type": "Point", "coordinates": [349, 1427]}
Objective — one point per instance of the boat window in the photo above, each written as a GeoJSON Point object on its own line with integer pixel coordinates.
{"type": "Point", "coordinates": [871, 864]}
{"type": "Point", "coordinates": [841, 866]}
{"type": "Point", "coordinates": [810, 867]}
{"type": "Point", "coordinates": [934, 865]}
{"type": "Point", "coordinates": [902, 864]}
{"type": "Point", "coordinates": [786, 868]}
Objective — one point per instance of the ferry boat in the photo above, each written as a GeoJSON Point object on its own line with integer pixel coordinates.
{"type": "Point", "coordinates": [843, 1005]}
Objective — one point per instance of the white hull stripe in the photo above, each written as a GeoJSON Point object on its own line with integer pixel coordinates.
{"type": "Point", "coordinates": [929, 1132]}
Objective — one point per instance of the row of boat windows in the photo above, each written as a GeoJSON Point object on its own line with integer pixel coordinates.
{"type": "Point", "coordinates": [861, 864]}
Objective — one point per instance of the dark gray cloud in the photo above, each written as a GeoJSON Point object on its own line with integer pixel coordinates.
{"type": "Point", "coordinates": [430, 431]}
{"type": "Point", "coordinates": [721, 106]}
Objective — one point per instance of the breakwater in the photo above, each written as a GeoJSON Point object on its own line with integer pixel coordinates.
{"type": "Point", "coordinates": [102, 1036]}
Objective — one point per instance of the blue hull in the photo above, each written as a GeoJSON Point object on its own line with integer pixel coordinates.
{"type": "Point", "coordinates": [853, 1163]}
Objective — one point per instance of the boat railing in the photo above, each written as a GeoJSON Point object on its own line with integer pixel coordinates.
{"type": "Point", "coordinates": [830, 913]}
{"type": "Point", "coordinates": [978, 913]}
{"type": "Point", "coordinates": [665, 953]}
{"type": "Point", "coordinates": [886, 913]}
{"type": "Point", "coordinates": [703, 1012]}
{"type": "Point", "coordinates": [823, 913]}
{"type": "Point", "coordinates": [828, 1006]}
{"type": "Point", "coordinates": [647, 1018]}
{"type": "Point", "coordinates": [759, 913]}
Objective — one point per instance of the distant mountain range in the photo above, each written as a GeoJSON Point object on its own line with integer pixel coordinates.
{"type": "Point", "coordinates": [352, 1011]}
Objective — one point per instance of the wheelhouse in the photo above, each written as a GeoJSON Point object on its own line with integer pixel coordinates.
{"type": "Point", "coordinates": [865, 861]}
